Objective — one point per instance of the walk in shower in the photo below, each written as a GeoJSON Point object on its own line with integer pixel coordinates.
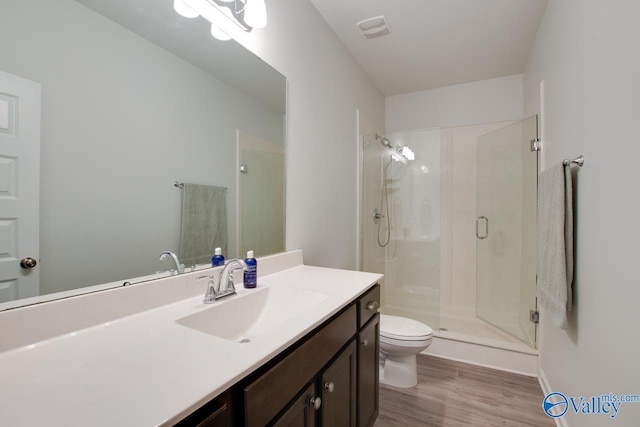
{"type": "Point", "coordinates": [449, 217]}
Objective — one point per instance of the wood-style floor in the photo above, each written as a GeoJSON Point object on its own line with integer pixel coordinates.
{"type": "Point", "coordinates": [452, 394]}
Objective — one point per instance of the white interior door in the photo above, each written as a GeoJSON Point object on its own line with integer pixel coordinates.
{"type": "Point", "coordinates": [19, 187]}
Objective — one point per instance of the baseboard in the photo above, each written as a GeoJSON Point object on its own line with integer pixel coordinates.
{"type": "Point", "coordinates": [546, 389]}
{"type": "Point", "coordinates": [487, 356]}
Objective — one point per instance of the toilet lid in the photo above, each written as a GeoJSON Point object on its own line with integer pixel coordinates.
{"type": "Point", "coordinates": [402, 328]}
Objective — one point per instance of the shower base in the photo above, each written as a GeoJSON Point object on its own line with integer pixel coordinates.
{"type": "Point", "coordinates": [459, 335]}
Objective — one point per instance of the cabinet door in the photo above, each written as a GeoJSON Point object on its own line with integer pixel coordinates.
{"type": "Point", "coordinates": [368, 372]}
{"type": "Point", "coordinates": [338, 391]}
{"type": "Point", "coordinates": [270, 393]}
{"type": "Point", "coordinates": [301, 413]}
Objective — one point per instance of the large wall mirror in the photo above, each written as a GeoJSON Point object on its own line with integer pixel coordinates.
{"type": "Point", "coordinates": [134, 98]}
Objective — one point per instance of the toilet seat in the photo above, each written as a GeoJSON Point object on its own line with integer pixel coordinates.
{"type": "Point", "coordinates": [401, 329]}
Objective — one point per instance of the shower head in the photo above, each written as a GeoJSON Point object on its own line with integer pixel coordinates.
{"type": "Point", "coordinates": [407, 152]}
{"type": "Point", "coordinates": [384, 141]}
{"type": "Point", "coordinates": [400, 153]}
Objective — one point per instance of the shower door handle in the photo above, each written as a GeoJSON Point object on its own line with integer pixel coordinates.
{"type": "Point", "coordinates": [486, 227]}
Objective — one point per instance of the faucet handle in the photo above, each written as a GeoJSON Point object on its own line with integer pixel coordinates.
{"type": "Point", "coordinates": [230, 285]}
{"type": "Point", "coordinates": [211, 292]}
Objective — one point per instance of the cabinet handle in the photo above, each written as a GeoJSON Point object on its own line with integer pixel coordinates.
{"type": "Point", "coordinates": [373, 305]}
{"type": "Point", "coordinates": [316, 402]}
{"type": "Point", "coordinates": [329, 387]}
{"type": "Point", "coordinates": [364, 342]}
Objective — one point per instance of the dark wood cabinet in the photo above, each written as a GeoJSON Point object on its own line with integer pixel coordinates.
{"type": "Point", "coordinates": [302, 412]}
{"type": "Point", "coordinates": [328, 378]}
{"type": "Point", "coordinates": [368, 305]}
{"type": "Point", "coordinates": [217, 413]}
{"type": "Point", "coordinates": [338, 390]}
{"type": "Point", "coordinates": [266, 395]}
{"type": "Point", "coordinates": [368, 372]}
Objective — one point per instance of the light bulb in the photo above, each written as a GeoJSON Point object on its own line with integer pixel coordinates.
{"type": "Point", "coordinates": [218, 33]}
{"type": "Point", "coordinates": [184, 9]}
{"type": "Point", "coordinates": [255, 13]}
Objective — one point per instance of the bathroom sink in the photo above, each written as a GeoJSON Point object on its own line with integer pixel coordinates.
{"type": "Point", "coordinates": [245, 317]}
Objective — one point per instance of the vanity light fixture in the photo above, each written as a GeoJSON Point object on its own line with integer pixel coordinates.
{"type": "Point", "coordinates": [256, 14]}
{"type": "Point", "coordinates": [227, 17]}
{"type": "Point", "coordinates": [184, 9]}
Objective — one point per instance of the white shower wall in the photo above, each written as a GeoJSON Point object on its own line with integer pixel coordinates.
{"type": "Point", "coordinates": [412, 257]}
{"type": "Point", "coordinates": [459, 114]}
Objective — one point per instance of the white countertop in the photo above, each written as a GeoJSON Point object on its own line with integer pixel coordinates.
{"type": "Point", "coordinates": [145, 369]}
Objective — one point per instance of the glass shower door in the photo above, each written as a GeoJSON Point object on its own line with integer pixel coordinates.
{"type": "Point", "coordinates": [401, 222]}
{"type": "Point", "coordinates": [506, 229]}
{"type": "Point", "coordinates": [261, 196]}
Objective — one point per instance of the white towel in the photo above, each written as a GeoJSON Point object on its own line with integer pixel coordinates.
{"type": "Point", "coordinates": [204, 223]}
{"type": "Point", "coordinates": [555, 243]}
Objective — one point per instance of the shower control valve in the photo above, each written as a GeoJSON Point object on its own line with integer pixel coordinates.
{"type": "Point", "coordinates": [377, 216]}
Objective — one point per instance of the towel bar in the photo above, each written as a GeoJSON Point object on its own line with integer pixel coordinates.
{"type": "Point", "coordinates": [578, 161]}
{"type": "Point", "coordinates": [180, 185]}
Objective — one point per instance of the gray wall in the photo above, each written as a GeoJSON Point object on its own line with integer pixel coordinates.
{"type": "Point", "coordinates": [587, 53]}
{"type": "Point", "coordinates": [326, 86]}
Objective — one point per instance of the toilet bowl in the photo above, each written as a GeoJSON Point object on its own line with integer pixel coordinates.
{"type": "Point", "coordinates": [400, 340]}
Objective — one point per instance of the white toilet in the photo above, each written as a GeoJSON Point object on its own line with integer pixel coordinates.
{"type": "Point", "coordinates": [400, 340]}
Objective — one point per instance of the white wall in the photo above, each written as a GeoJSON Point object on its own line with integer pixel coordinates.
{"type": "Point", "coordinates": [111, 102]}
{"type": "Point", "coordinates": [326, 86]}
{"type": "Point", "coordinates": [485, 101]}
{"type": "Point", "coordinates": [587, 53]}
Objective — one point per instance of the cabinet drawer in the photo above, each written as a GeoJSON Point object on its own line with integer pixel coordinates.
{"type": "Point", "coordinates": [368, 305]}
{"type": "Point", "coordinates": [266, 396]}
{"type": "Point", "coordinates": [217, 413]}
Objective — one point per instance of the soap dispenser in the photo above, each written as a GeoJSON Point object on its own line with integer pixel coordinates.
{"type": "Point", "coordinates": [251, 272]}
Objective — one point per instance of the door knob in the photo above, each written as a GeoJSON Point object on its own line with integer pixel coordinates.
{"type": "Point", "coordinates": [28, 263]}
{"type": "Point", "coordinates": [329, 387]}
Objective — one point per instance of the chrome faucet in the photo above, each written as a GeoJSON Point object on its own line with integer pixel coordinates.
{"type": "Point", "coordinates": [174, 257]}
{"type": "Point", "coordinates": [214, 290]}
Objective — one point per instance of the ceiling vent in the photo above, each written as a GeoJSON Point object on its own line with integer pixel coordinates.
{"type": "Point", "coordinates": [374, 27]}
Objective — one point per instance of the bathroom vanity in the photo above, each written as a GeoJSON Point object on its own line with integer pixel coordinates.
{"type": "Point", "coordinates": [301, 349]}
{"type": "Point", "coordinates": [330, 377]}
